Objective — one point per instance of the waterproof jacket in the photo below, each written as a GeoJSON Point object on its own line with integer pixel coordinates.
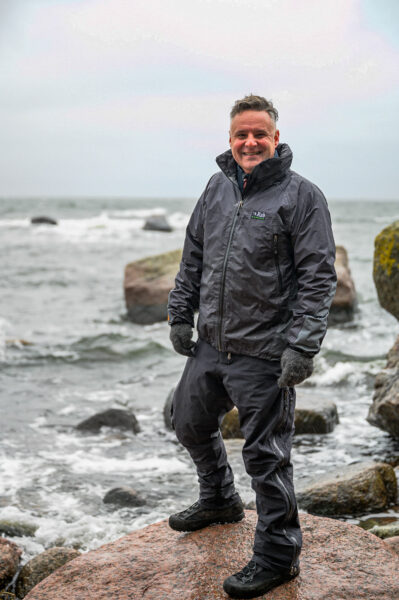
{"type": "Point", "coordinates": [259, 265]}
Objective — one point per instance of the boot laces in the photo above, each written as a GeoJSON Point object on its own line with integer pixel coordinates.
{"type": "Point", "coordinates": [193, 508]}
{"type": "Point", "coordinates": [247, 572]}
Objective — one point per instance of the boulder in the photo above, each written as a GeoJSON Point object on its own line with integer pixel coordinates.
{"type": "Point", "coordinates": [230, 426]}
{"type": "Point", "coordinates": [315, 417]}
{"type": "Point", "coordinates": [113, 417]}
{"type": "Point", "coordinates": [43, 221]}
{"type": "Point", "coordinates": [386, 268]}
{"type": "Point", "coordinates": [10, 556]}
{"type": "Point", "coordinates": [339, 561]}
{"type": "Point", "coordinates": [344, 303]}
{"type": "Point", "coordinates": [147, 284]}
{"type": "Point", "coordinates": [157, 223]}
{"type": "Point", "coordinates": [350, 490]}
{"type": "Point", "coordinates": [386, 531]}
{"type": "Point", "coordinates": [392, 543]}
{"type": "Point", "coordinates": [384, 411]}
{"type": "Point", "coordinates": [123, 496]}
{"type": "Point", "coordinates": [16, 529]}
{"type": "Point", "coordinates": [310, 417]}
{"type": "Point", "coordinates": [42, 566]}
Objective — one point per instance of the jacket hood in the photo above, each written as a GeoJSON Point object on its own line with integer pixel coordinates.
{"type": "Point", "coordinates": [266, 173]}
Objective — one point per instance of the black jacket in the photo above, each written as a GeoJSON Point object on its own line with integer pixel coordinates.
{"type": "Point", "coordinates": [259, 266]}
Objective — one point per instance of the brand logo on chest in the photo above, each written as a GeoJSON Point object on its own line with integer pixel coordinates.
{"type": "Point", "coordinates": [257, 214]}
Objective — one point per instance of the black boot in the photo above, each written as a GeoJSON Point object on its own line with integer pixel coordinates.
{"type": "Point", "coordinates": [200, 515]}
{"type": "Point", "coordinates": [255, 581]}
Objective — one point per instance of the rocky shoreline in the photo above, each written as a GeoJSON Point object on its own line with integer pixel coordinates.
{"type": "Point", "coordinates": [359, 489]}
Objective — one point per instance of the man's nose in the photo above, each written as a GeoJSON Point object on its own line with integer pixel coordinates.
{"type": "Point", "coordinates": [250, 141]}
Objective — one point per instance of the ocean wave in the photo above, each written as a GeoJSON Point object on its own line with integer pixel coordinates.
{"type": "Point", "coordinates": [100, 348]}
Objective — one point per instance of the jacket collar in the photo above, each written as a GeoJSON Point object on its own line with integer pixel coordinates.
{"type": "Point", "coordinates": [265, 174]}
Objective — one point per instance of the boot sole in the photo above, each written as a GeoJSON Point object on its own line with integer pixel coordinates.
{"type": "Point", "coordinates": [255, 593]}
{"type": "Point", "coordinates": [178, 525]}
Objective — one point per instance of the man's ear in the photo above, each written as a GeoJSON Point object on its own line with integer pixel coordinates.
{"type": "Point", "coordinates": [276, 138]}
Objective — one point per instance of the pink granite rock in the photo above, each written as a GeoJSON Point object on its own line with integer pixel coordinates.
{"type": "Point", "coordinates": [339, 562]}
{"type": "Point", "coordinates": [10, 555]}
{"type": "Point", "coordinates": [393, 543]}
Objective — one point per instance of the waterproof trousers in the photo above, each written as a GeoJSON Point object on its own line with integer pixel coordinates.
{"type": "Point", "coordinates": [211, 384]}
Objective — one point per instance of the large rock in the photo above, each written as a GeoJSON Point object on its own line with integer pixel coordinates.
{"type": "Point", "coordinates": [43, 221]}
{"type": "Point", "coordinates": [384, 411]}
{"type": "Point", "coordinates": [339, 561]}
{"type": "Point", "coordinates": [157, 223]}
{"type": "Point", "coordinates": [312, 416]}
{"type": "Point", "coordinates": [392, 543]}
{"type": "Point", "coordinates": [123, 496]}
{"type": "Point", "coordinates": [350, 490]}
{"type": "Point", "coordinates": [386, 531]}
{"type": "Point", "coordinates": [386, 268]}
{"type": "Point", "coordinates": [10, 556]}
{"type": "Point", "coordinates": [148, 281]}
{"type": "Point", "coordinates": [113, 417]}
{"type": "Point", "coordinates": [147, 284]}
{"type": "Point", "coordinates": [42, 566]}
{"type": "Point", "coordinates": [344, 303]}
{"type": "Point", "coordinates": [17, 529]}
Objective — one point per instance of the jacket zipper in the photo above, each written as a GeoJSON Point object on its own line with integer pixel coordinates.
{"type": "Point", "coordinates": [222, 285]}
{"type": "Point", "coordinates": [277, 262]}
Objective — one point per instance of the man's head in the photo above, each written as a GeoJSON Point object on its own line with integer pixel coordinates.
{"type": "Point", "coordinates": [253, 133]}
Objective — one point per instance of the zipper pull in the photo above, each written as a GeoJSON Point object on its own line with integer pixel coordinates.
{"type": "Point", "coordinates": [275, 238]}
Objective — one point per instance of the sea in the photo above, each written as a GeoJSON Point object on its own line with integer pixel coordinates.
{"type": "Point", "coordinates": [67, 351]}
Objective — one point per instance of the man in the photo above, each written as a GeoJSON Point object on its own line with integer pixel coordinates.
{"type": "Point", "coordinates": [258, 263]}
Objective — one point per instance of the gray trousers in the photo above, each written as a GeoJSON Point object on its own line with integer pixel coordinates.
{"type": "Point", "coordinates": [212, 383]}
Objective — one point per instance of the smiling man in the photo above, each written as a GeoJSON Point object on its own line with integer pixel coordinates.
{"type": "Point", "coordinates": [258, 264]}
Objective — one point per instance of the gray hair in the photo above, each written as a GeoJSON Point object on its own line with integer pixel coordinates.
{"type": "Point", "coordinates": [252, 102]}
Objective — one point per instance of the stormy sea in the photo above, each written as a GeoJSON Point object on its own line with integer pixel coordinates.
{"type": "Point", "coordinates": [67, 352]}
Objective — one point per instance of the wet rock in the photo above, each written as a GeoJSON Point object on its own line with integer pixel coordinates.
{"type": "Point", "coordinates": [10, 556]}
{"type": "Point", "coordinates": [393, 543]}
{"type": "Point", "coordinates": [339, 561]}
{"type": "Point", "coordinates": [42, 566]}
{"type": "Point", "coordinates": [230, 426]}
{"type": "Point", "coordinates": [147, 284]}
{"type": "Point", "coordinates": [113, 417]}
{"type": "Point", "coordinates": [350, 490]}
{"type": "Point", "coordinates": [315, 417]}
{"type": "Point", "coordinates": [386, 531]}
{"type": "Point", "coordinates": [310, 417]}
{"type": "Point", "coordinates": [386, 268]}
{"type": "Point", "coordinates": [384, 411]}
{"type": "Point", "coordinates": [43, 221]}
{"type": "Point", "coordinates": [167, 416]}
{"type": "Point", "coordinates": [157, 223]}
{"type": "Point", "coordinates": [16, 529]}
{"type": "Point", "coordinates": [344, 303]}
{"type": "Point", "coordinates": [123, 496]}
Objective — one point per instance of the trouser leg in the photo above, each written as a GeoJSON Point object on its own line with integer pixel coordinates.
{"type": "Point", "coordinates": [266, 419]}
{"type": "Point", "coordinates": [199, 404]}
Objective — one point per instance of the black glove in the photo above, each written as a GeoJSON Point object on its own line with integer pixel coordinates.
{"type": "Point", "coordinates": [180, 336]}
{"type": "Point", "coordinates": [296, 367]}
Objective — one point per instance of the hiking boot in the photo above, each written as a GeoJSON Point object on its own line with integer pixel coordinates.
{"type": "Point", "coordinates": [199, 515]}
{"type": "Point", "coordinates": [255, 581]}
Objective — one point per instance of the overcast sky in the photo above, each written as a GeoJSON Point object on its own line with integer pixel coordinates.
{"type": "Point", "coordinates": [131, 97]}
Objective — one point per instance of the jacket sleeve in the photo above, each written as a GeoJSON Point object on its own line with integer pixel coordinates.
{"type": "Point", "coordinates": [314, 255]}
{"type": "Point", "coordinates": [184, 298]}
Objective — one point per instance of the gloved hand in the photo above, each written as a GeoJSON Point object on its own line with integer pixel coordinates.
{"type": "Point", "coordinates": [180, 336]}
{"type": "Point", "coordinates": [296, 367]}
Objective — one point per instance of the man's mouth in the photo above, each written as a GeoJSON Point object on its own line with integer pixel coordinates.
{"type": "Point", "coordinates": [251, 153]}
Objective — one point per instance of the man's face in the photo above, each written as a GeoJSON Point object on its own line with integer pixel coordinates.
{"type": "Point", "coordinates": [253, 138]}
